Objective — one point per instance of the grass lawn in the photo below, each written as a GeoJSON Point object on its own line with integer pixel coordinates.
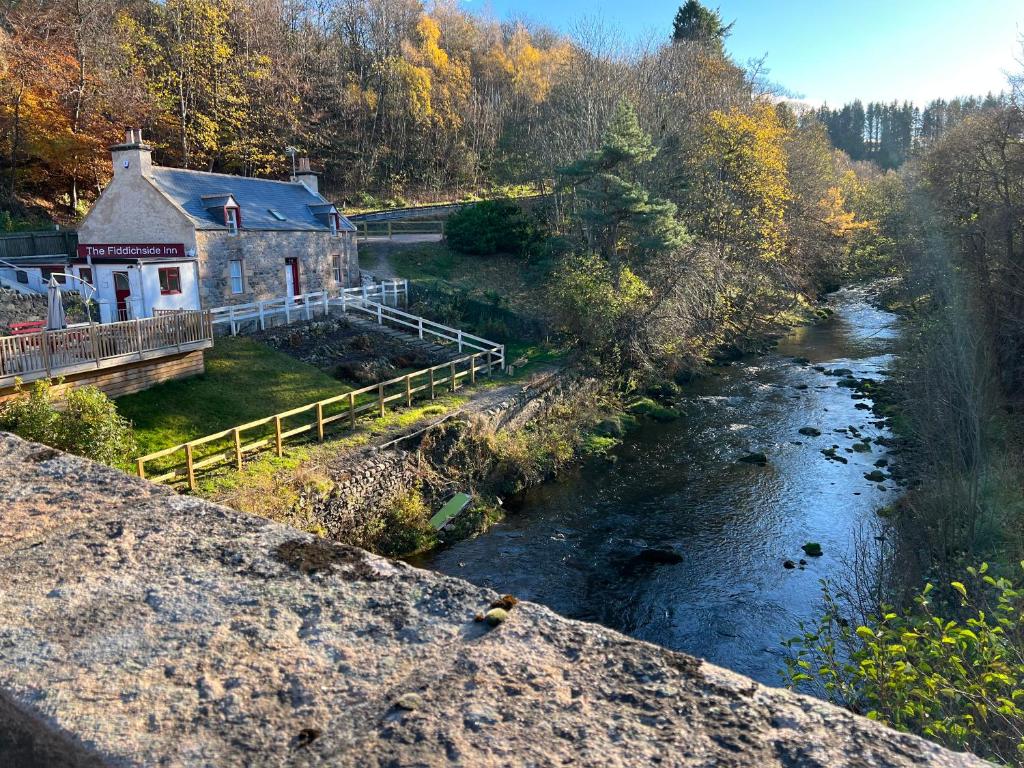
{"type": "Point", "coordinates": [244, 381]}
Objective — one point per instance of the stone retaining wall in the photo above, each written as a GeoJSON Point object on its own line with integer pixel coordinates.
{"type": "Point", "coordinates": [138, 627]}
{"type": "Point", "coordinates": [19, 308]}
{"type": "Point", "coordinates": [366, 483]}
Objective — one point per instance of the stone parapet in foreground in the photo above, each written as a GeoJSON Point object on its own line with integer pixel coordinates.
{"type": "Point", "coordinates": [138, 627]}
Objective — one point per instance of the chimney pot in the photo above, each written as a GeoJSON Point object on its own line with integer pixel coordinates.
{"type": "Point", "coordinates": [129, 135]}
{"type": "Point", "coordinates": [303, 163]}
{"type": "Point", "coordinates": [138, 135]}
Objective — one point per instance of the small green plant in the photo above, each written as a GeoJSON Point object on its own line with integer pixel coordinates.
{"type": "Point", "coordinates": [645, 406]}
{"type": "Point", "coordinates": [405, 526]}
{"type": "Point", "coordinates": [87, 424]}
{"type": "Point", "coordinates": [597, 445]}
{"type": "Point", "coordinates": [950, 667]}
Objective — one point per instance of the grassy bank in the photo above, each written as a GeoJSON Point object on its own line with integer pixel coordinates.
{"type": "Point", "coordinates": [244, 380]}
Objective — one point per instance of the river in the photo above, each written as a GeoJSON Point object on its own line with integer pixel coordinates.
{"type": "Point", "coordinates": [572, 544]}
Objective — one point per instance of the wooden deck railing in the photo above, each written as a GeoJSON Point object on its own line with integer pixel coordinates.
{"type": "Point", "coordinates": [230, 446]}
{"type": "Point", "coordinates": [54, 353]}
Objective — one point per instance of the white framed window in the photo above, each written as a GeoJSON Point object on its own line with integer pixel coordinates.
{"type": "Point", "coordinates": [237, 279]}
{"type": "Point", "coordinates": [233, 219]}
{"type": "Point", "coordinates": [337, 267]}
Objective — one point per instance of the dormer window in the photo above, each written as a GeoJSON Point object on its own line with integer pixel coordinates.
{"type": "Point", "coordinates": [233, 219]}
{"type": "Point", "coordinates": [224, 209]}
{"type": "Point", "coordinates": [328, 216]}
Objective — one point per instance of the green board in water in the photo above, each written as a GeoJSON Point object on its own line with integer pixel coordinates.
{"type": "Point", "coordinates": [455, 504]}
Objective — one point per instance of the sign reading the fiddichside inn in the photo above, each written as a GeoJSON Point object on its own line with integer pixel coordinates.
{"type": "Point", "coordinates": [131, 250]}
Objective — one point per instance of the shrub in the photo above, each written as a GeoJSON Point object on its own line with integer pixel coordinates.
{"type": "Point", "coordinates": [87, 424]}
{"type": "Point", "coordinates": [952, 671]}
{"type": "Point", "coordinates": [405, 526]}
{"type": "Point", "coordinates": [647, 407]}
{"type": "Point", "coordinates": [489, 227]}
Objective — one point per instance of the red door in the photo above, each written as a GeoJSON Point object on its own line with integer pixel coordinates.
{"type": "Point", "coordinates": [292, 277]}
{"type": "Point", "coordinates": [122, 292]}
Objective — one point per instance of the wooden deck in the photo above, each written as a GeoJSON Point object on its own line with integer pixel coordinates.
{"type": "Point", "coordinates": [50, 354]}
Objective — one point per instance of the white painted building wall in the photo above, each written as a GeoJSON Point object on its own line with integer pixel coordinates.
{"type": "Point", "coordinates": [144, 281]}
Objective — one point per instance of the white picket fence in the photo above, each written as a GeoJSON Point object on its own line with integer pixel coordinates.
{"type": "Point", "coordinates": [264, 314]}
{"type": "Point", "coordinates": [305, 306]}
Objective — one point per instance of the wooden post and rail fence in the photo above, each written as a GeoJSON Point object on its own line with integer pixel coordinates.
{"type": "Point", "coordinates": [388, 229]}
{"type": "Point", "coordinates": [230, 446]}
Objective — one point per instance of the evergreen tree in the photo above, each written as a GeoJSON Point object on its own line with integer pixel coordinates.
{"type": "Point", "coordinates": [620, 221]}
{"type": "Point", "coordinates": [604, 290]}
{"type": "Point", "coordinates": [696, 23]}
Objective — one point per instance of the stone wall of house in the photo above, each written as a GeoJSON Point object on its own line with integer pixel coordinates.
{"type": "Point", "coordinates": [263, 257]}
{"type": "Point", "coordinates": [139, 627]}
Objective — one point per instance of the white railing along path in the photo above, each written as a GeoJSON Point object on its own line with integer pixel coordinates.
{"type": "Point", "coordinates": [360, 300]}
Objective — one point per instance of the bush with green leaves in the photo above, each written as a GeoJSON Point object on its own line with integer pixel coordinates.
{"type": "Point", "coordinates": [489, 227]}
{"type": "Point", "coordinates": [949, 669]}
{"type": "Point", "coordinates": [85, 423]}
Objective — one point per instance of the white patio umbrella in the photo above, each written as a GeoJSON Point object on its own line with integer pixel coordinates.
{"type": "Point", "coordinates": [55, 317]}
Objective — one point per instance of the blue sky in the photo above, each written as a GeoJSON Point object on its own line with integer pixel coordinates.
{"type": "Point", "coordinates": [829, 50]}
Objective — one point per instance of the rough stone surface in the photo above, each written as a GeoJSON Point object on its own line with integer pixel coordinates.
{"type": "Point", "coordinates": [365, 485]}
{"type": "Point", "coordinates": [142, 628]}
{"type": "Point", "coordinates": [20, 308]}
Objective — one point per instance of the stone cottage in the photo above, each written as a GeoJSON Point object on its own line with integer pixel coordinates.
{"type": "Point", "coordinates": [170, 238]}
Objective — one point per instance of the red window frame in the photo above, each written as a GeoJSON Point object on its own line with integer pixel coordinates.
{"type": "Point", "coordinates": [49, 271]}
{"type": "Point", "coordinates": [166, 273]}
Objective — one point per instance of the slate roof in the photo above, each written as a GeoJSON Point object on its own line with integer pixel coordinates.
{"type": "Point", "coordinates": [194, 190]}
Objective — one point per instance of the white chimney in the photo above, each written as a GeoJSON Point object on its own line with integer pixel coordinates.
{"type": "Point", "coordinates": [307, 176]}
{"type": "Point", "coordinates": [132, 157]}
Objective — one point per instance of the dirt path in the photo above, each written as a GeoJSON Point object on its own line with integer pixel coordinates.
{"type": "Point", "coordinates": [382, 247]}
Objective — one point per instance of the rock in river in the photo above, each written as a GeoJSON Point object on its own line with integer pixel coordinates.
{"type": "Point", "coordinates": [810, 431]}
{"type": "Point", "coordinates": [754, 458]}
{"type": "Point", "coordinates": [648, 558]}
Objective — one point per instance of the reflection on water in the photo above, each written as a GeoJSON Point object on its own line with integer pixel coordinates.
{"type": "Point", "coordinates": [573, 544]}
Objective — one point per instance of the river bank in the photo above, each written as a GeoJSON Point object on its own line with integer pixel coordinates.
{"type": "Point", "coordinates": [582, 545]}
